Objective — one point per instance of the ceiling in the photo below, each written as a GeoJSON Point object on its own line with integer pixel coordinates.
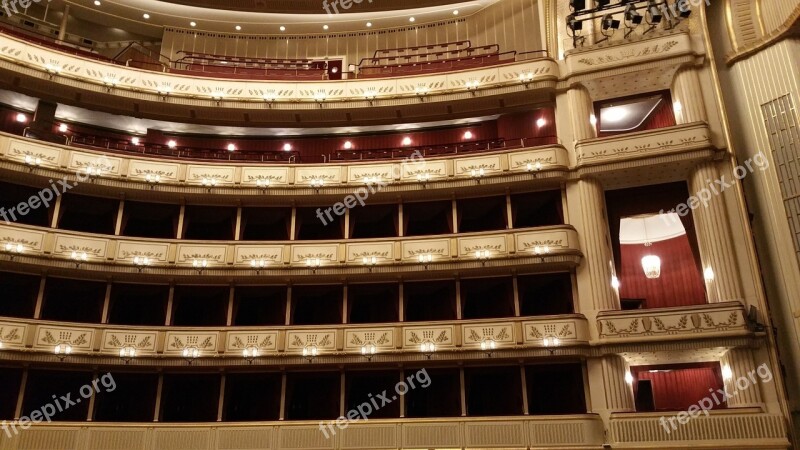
{"type": "Point", "coordinates": [306, 6]}
{"type": "Point", "coordinates": [129, 15]}
{"type": "Point", "coordinates": [650, 228]}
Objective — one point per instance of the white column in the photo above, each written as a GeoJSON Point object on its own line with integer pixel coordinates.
{"type": "Point", "coordinates": [62, 30]}
{"type": "Point", "coordinates": [714, 235]}
{"type": "Point", "coordinates": [586, 199]}
{"type": "Point", "coordinates": [582, 107]}
{"type": "Point", "coordinates": [687, 92]}
{"type": "Point", "coordinates": [608, 389]}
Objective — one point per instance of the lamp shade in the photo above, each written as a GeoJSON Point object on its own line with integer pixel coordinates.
{"type": "Point", "coordinates": [651, 265]}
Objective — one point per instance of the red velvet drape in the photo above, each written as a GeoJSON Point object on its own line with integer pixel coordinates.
{"type": "Point", "coordinates": [680, 283]}
{"type": "Point", "coordinates": [679, 388]}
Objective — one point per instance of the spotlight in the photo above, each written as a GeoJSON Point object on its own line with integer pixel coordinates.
{"type": "Point", "coordinates": [684, 11]}
{"type": "Point", "coordinates": [574, 24]}
{"type": "Point", "coordinates": [633, 16]}
{"type": "Point", "coordinates": [577, 5]}
{"type": "Point", "coordinates": [654, 12]}
{"type": "Point", "coordinates": [610, 23]}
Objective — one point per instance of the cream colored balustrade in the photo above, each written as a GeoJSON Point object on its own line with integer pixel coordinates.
{"type": "Point", "coordinates": [568, 431]}
{"type": "Point", "coordinates": [711, 320]}
{"type": "Point", "coordinates": [229, 342]}
{"type": "Point", "coordinates": [543, 243]}
{"type": "Point", "coordinates": [100, 76]}
{"type": "Point", "coordinates": [681, 139]}
{"type": "Point", "coordinates": [142, 171]}
{"type": "Point", "coordinates": [733, 428]}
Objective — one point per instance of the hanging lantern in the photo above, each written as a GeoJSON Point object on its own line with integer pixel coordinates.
{"type": "Point", "coordinates": [651, 264]}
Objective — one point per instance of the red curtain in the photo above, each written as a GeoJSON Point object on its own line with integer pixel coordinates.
{"type": "Point", "coordinates": [678, 388]}
{"type": "Point", "coordinates": [680, 283]}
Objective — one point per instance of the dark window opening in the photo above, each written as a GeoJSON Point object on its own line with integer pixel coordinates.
{"type": "Point", "coordinates": [546, 294]}
{"type": "Point", "coordinates": [312, 395]}
{"type": "Point", "coordinates": [252, 397]}
{"type": "Point", "coordinates": [11, 195]}
{"type": "Point", "coordinates": [10, 383]}
{"type": "Point", "coordinates": [427, 218]}
{"type": "Point", "coordinates": [486, 298]}
{"type": "Point", "coordinates": [266, 224]}
{"type": "Point", "coordinates": [373, 221]}
{"type": "Point", "coordinates": [537, 209]}
{"type": "Point", "coordinates": [259, 305]}
{"type": "Point", "coordinates": [41, 385]}
{"type": "Point", "coordinates": [209, 223]}
{"type": "Point", "coordinates": [555, 389]}
{"type": "Point", "coordinates": [361, 386]}
{"type": "Point", "coordinates": [430, 301]}
{"type": "Point", "coordinates": [373, 303]}
{"type": "Point", "coordinates": [190, 397]}
{"type": "Point", "coordinates": [88, 214]}
{"type": "Point", "coordinates": [150, 220]}
{"type": "Point", "coordinates": [19, 294]}
{"type": "Point", "coordinates": [132, 400]}
{"type": "Point", "coordinates": [73, 300]}
{"type": "Point", "coordinates": [200, 306]}
{"type": "Point", "coordinates": [317, 305]}
{"type": "Point", "coordinates": [315, 224]}
{"type": "Point", "coordinates": [493, 391]}
{"type": "Point", "coordinates": [138, 304]}
{"type": "Point", "coordinates": [442, 397]}
{"type": "Point", "coordinates": [481, 214]}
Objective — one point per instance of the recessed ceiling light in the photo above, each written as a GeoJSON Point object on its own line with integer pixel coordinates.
{"type": "Point", "coordinates": [192, 24]}
{"type": "Point", "coordinates": [146, 16]}
{"type": "Point", "coordinates": [324, 27]}
{"type": "Point", "coordinates": [283, 28]}
{"type": "Point", "coordinates": [96, 2]}
{"type": "Point", "coordinates": [238, 28]}
{"type": "Point", "coordinates": [411, 19]}
{"type": "Point", "coordinates": [369, 24]}
{"type": "Point", "coordinates": [455, 13]}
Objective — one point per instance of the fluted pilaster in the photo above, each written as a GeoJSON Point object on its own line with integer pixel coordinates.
{"type": "Point", "coordinates": [686, 90]}
{"type": "Point", "coordinates": [609, 390]}
{"type": "Point", "coordinates": [714, 232]}
{"type": "Point", "coordinates": [744, 380]}
{"type": "Point", "coordinates": [594, 272]}
{"type": "Point", "coordinates": [580, 103]}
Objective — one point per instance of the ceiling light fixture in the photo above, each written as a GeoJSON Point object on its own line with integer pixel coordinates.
{"type": "Point", "coordinates": [283, 28]}
{"type": "Point", "coordinates": [325, 27]}
{"type": "Point", "coordinates": [146, 16]}
{"type": "Point", "coordinates": [192, 24]}
{"type": "Point", "coordinates": [96, 2]}
{"type": "Point", "coordinates": [412, 19]}
{"type": "Point", "coordinates": [369, 24]}
{"type": "Point", "coordinates": [455, 13]}
{"type": "Point", "coordinates": [238, 28]}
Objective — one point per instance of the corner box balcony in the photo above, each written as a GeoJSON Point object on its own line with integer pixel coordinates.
{"type": "Point", "coordinates": [691, 141]}
{"type": "Point", "coordinates": [713, 320]}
